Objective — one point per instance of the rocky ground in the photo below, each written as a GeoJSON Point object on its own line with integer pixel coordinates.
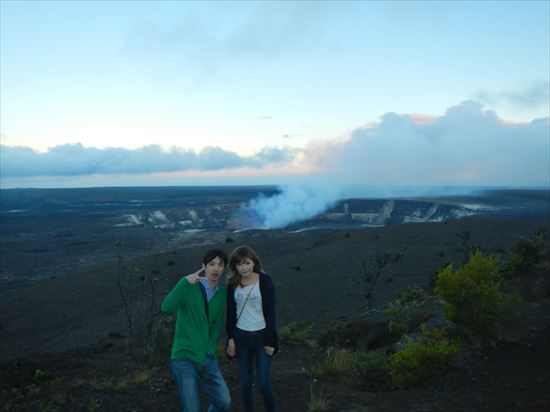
{"type": "Point", "coordinates": [63, 342]}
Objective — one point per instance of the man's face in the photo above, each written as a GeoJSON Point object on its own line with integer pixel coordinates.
{"type": "Point", "coordinates": [214, 269]}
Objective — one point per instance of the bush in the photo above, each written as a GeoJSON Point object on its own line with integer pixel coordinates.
{"type": "Point", "coordinates": [373, 365]}
{"type": "Point", "coordinates": [524, 253]}
{"type": "Point", "coordinates": [400, 310]}
{"type": "Point", "coordinates": [423, 359]}
{"type": "Point", "coordinates": [339, 363]}
{"type": "Point", "coordinates": [472, 297]}
{"type": "Point", "coordinates": [400, 315]}
{"type": "Point", "coordinates": [343, 364]}
{"type": "Point", "coordinates": [318, 401]}
{"type": "Point", "coordinates": [159, 345]}
{"type": "Point", "coordinates": [414, 295]}
{"type": "Point", "coordinates": [294, 334]}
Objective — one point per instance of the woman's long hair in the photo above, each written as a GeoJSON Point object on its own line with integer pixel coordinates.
{"type": "Point", "coordinates": [238, 255]}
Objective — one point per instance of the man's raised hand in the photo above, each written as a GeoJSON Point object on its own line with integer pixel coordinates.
{"type": "Point", "coordinates": [194, 277]}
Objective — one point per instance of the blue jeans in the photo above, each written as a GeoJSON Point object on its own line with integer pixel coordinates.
{"type": "Point", "coordinates": [189, 374]}
{"type": "Point", "coordinates": [250, 345]}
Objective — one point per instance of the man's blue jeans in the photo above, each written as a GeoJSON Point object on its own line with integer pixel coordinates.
{"type": "Point", "coordinates": [189, 374]}
{"type": "Point", "coordinates": [250, 346]}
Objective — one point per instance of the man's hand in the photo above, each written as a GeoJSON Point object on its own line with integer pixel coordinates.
{"type": "Point", "coordinates": [269, 350]}
{"type": "Point", "coordinates": [194, 277]}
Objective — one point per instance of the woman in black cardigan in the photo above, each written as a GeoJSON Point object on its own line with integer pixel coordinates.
{"type": "Point", "coordinates": [251, 327]}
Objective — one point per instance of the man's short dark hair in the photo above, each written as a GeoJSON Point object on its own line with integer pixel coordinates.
{"type": "Point", "coordinates": [213, 254]}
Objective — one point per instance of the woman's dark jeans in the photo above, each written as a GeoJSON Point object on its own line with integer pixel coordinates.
{"type": "Point", "coordinates": [250, 347]}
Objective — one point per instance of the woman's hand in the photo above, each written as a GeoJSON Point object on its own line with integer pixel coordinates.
{"type": "Point", "coordinates": [269, 350]}
{"type": "Point", "coordinates": [194, 277]}
{"type": "Point", "coordinates": [231, 350]}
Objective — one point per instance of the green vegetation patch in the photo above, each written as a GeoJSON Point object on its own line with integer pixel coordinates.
{"type": "Point", "coordinates": [342, 364]}
{"type": "Point", "coordinates": [318, 400]}
{"type": "Point", "coordinates": [472, 296]}
{"type": "Point", "coordinates": [295, 334]}
{"type": "Point", "coordinates": [524, 253]}
{"type": "Point", "coordinates": [422, 359]}
{"type": "Point", "coordinates": [400, 311]}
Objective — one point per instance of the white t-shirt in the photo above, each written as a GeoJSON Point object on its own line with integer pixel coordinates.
{"type": "Point", "coordinates": [252, 317]}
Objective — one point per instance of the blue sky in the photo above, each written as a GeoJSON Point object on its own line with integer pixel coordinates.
{"type": "Point", "coordinates": [400, 93]}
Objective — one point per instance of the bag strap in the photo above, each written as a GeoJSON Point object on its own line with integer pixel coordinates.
{"type": "Point", "coordinates": [247, 296]}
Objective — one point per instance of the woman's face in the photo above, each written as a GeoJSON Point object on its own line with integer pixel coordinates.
{"type": "Point", "coordinates": [245, 267]}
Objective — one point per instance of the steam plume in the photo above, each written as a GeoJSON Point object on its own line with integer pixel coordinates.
{"type": "Point", "coordinates": [467, 147]}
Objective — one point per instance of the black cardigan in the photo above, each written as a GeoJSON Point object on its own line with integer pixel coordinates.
{"type": "Point", "coordinates": [267, 290]}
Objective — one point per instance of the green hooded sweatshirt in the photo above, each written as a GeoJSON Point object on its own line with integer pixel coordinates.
{"type": "Point", "coordinates": [196, 333]}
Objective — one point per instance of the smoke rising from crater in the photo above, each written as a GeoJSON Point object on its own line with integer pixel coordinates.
{"type": "Point", "coordinates": [293, 203]}
{"type": "Point", "coordinates": [465, 148]}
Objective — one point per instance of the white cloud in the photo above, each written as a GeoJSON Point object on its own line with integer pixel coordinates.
{"type": "Point", "coordinates": [265, 30]}
{"type": "Point", "coordinates": [536, 95]}
{"type": "Point", "coordinates": [468, 146]}
{"type": "Point", "coordinates": [75, 159]}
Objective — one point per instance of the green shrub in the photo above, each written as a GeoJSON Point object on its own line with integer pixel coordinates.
{"type": "Point", "coordinates": [423, 359]}
{"type": "Point", "coordinates": [373, 363]}
{"type": "Point", "coordinates": [526, 252]}
{"type": "Point", "coordinates": [141, 376]}
{"type": "Point", "coordinates": [294, 334]}
{"type": "Point", "coordinates": [159, 345]}
{"type": "Point", "coordinates": [318, 401]}
{"type": "Point", "coordinates": [400, 310]}
{"type": "Point", "coordinates": [339, 363]}
{"type": "Point", "coordinates": [399, 313]}
{"type": "Point", "coordinates": [472, 297]}
{"type": "Point", "coordinates": [343, 364]}
{"type": "Point", "coordinates": [414, 295]}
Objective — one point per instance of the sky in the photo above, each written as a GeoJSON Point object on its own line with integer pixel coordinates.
{"type": "Point", "coordinates": [405, 93]}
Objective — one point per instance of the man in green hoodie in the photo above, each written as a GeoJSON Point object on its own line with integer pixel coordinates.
{"type": "Point", "coordinates": [199, 304]}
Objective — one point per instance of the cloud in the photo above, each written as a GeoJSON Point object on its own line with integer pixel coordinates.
{"type": "Point", "coordinates": [195, 54]}
{"type": "Point", "coordinates": [466, 146]}
{"type": "Point", "coordinates": [214, 158]}
{"type": "Point", "coordinates": [400, 156]}
{"type": "Point", "coordinates": [273, 155]}
{"type": "Point", "coordinates": [75, 159]}
{"type": "Point", "coordinates": [532, 97]}
{"type": "Point", "coordinates": [274, 28]}
{"type": "Point", "coordinates": [267, 30]}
